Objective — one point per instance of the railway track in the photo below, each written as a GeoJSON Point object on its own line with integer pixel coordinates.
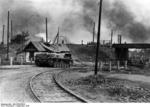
{"type": "Point", "coordinates": [46, 90]}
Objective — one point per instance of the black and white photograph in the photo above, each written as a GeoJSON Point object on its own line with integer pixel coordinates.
{"type": "Point", "coordinates": [74, 51]}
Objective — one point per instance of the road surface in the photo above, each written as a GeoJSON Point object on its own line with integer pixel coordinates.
{"type": "Point", "coordinates": [14, 84]}
{"type": "Point", "coordinates": [47, 91]}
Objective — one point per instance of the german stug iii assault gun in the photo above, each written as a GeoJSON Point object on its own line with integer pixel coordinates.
{"type": "Point", "coordinates": [56, 60]}
{"type": "Point", "coordinates": [58, 57]}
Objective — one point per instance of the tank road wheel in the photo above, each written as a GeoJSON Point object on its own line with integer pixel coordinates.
{"type": "Point", "coordinates": [50, 63]}
{"type": "Point", "coordinates": [65, 65]}
{"type": "Point", "coordinates": [68, 66]}
{"type": "Point", "coordinates": [55, 64]}
{"type": "Point", "coordinates": [61, 64]}
{"type": "Point", "coordinates": [37, 63]}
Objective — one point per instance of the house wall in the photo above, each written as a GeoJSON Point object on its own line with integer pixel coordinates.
{"type": "Point", "coordinates": [23, 57]}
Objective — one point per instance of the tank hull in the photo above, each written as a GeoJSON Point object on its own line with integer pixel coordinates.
{"type": "Point", "coordinates": [44, 60]}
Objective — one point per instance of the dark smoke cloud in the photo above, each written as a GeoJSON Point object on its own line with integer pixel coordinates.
{"type": "Point", "coordinates": [90, 13]}
{"type": "Point", "coordinates": [120, 18]}
{"type": "Point", "coordinates": [24, 16]}
{"type": "Point", "coordinates": [116, 15]}
{"type": "Point", "coordinates": [27, 18]}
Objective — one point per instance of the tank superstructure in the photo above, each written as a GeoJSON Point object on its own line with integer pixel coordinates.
{"type": "Point", "coordinates": [56, 60]}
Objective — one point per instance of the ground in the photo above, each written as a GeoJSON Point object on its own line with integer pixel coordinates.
{"type": "Point", "coordinates": [14, 83]}
{"type": "Point", "coordinates": [47, 91]}
{"type": "Point", "coordinates": [109, 87]}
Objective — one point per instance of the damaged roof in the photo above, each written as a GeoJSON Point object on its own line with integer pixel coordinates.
{"type": "Point", "coordinates": [34, 46]}
{"type": "Point", "coordinates": [42, 47]}
{"type": "Point", "coordinates": [39, 46]}
{"type": "Point", "coordinates": [60, 48]}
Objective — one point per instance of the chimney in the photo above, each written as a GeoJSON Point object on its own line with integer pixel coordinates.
{"type": "Point", "coordinates": [63, 42]}
{"type": "Point", "coordinates": [46, 30]}
{"type": "Point", "coordinates": [103, 42]}
{"type": "Point", "coordinates": [119, 39]}
{"type": "Point", "coordinates": [8, 35]}
{"type": "Point", "coordinates": [58, 36]}
{"type": "Point", "coordinates": [82, 42]}
{"type": "Point", "coordinates": [112, 36]}
{"type": "Point", "coordinates": [11, 30]}
{"type": "Point", "coordinates": [3, 34]}
{"type": "Point", "coordinates": [93, 32]}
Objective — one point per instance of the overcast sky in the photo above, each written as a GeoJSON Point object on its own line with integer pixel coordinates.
{"type": "Point", "coordinates": [68, 15]}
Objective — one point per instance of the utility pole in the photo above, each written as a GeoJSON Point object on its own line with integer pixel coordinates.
{"type": "Point", "coordinates": [11, 30]}
{"type": "Point", "coordinates": [119, 39]}
{"type": "Point", "coordinates": [98, 38]}
{"type": "Point", "coordinates": [3, 34]}
{"type": "Point", "coordinates": [112, 33]}
{"type": "Point", "coordinates": [46, 31]}
{"type": "Point", "coordinates": [93, 31]}
{"type": "Point", "coordinates": [58, 36]}
{"type": "Point", "coordinates": [82, 42]}
{"type": "Point", "coordinates": [8, 36]}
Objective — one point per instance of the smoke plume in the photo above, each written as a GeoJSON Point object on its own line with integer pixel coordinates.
{"type": "Point", "coordinates": [121, 19]}
{"type": "Point", "coordinates": [75, 18]}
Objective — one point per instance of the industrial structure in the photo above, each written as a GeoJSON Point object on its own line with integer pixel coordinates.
{"type": "Point", "coordinates": [122, 50]}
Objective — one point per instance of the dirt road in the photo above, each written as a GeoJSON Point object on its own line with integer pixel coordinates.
{"type": "Point", "coordinates": [14, 83]}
